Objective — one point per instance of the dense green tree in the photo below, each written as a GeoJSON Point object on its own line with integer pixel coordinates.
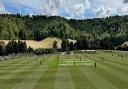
{"type": "Point", "coordinates": [30, 49]}
{"type": "Point", "coordinates": [38, 36]}
{"type": "Point", "coordinates": [22, 35]}
{"type": "Point", "coordinates": [43, 51]}
{"type": "Point", "coordinates": [106, 43]}
{"type": "Point", "coordinates": [22, 47]}
{"type": "Point", "coordinates": [12, 47]}
{"type": "Point", "coordinates": [55, 45]}
{"type": "Point", "coordinates": [1, 50]}
{"type": "Point", "coordinates": [71, 46]}
{"type": "Point", "coordinates": [82, 43]}
{"type": "Point", "coordinates": [65, 45]}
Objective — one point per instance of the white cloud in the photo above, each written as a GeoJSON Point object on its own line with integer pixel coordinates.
{"type": "Point", "coordinates": [104, 12]}
{"type": "Point", "coordinates": [108, 3]}
{"type": "Point", "coordinates": [75, 8]}
{"type": "Point", "coordinates": [105, 8]}
{"type": "Point", "coordinates": [2, 9]}
{"type": "Point", "coordinates": [70, 8]}
{"type": "Point", "coordinates": [79, 9]}
{"type": "Point", "coordinates": [52, 7]}
{"type": "Point", "coordinates": [125, 10]}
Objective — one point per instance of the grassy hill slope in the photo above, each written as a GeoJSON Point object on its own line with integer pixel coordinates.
{"type": "Point", "coordinates": [46, 43]}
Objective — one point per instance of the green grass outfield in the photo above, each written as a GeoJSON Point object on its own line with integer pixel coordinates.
{"type": "Point", "coordinates": [58, 71]}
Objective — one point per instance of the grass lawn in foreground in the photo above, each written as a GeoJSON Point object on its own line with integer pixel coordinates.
{"type": "Point", "coordinates": [57, 71]}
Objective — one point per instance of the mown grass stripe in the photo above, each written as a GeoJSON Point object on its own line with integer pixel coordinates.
{"type": "Point", "coordinates": [10, 83]}
{"type": "Point", "coordinates": [8, 63]}
{"type": "Point", "coordinates": [114, 72]}
{"type": "Point", "coordinates": [47, 79]}
{"type": "Point", "coordinates": [117, 78]}
{"type": "Point", "coordinates": [116, 66]}
{"type": "Point", "coordinates": [31, 80]}
{"type": "Point", "coordinates": [80, 81]}
{"type": "Point", "coordinates": [19, 70]}
{"type": "Point", "coordinates": [112, 79]}
{"type": "Point", "coordinates": [115, 59]}
{"type": "Point", "coordinates": [119, 74]}
{"type": "Point", "coordinates": [98, 81]}
{"type": "Point", "coordinates": [15, 65]}
{"type": "Point", "coordinates": [20, 78]}
{"type": "Point", "coordinates": [4, 73]}
{"type": "Point", "coordinates": [63, 79]}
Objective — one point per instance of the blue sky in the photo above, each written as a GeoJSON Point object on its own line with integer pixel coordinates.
{"type": "Point", "coordinates": [76, 9]}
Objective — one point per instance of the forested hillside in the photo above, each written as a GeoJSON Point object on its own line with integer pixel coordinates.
{"type": "Point", "coordinates": [97, 32]}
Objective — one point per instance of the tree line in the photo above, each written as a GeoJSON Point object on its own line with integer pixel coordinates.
{"type": "Point", "coordinates": [82, 44]}
{"type": "Point", "coordinates": [15, 47]}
